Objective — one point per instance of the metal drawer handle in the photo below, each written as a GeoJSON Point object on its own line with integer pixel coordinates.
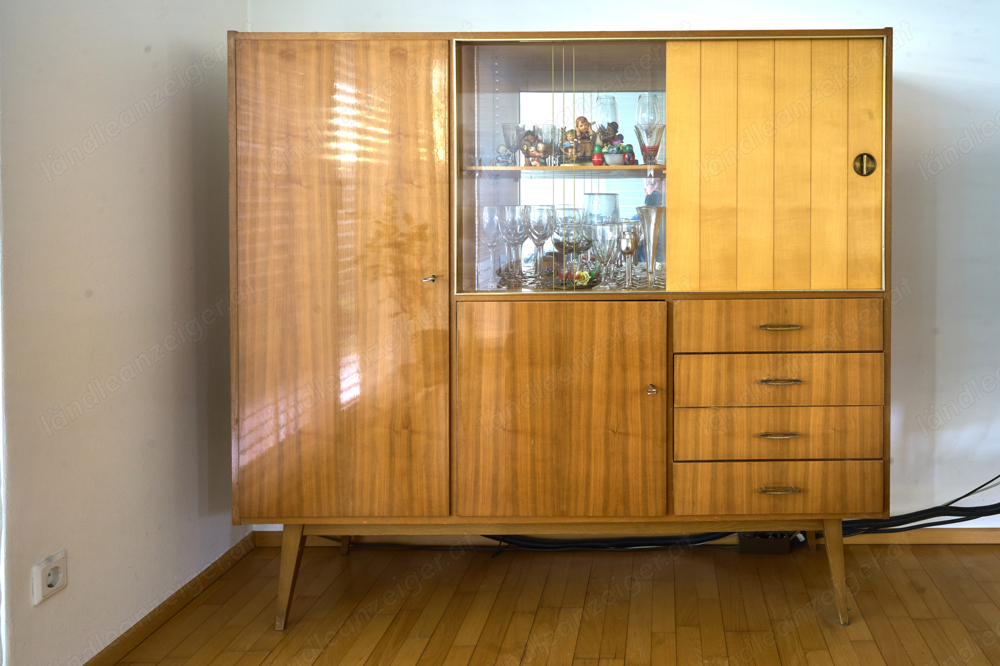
{"type": "Point", "coordinates": [779, 327]}
{"type": "Point", "coordinates": [780, 382]}
{"type": "Point", "coordinates": [779, 435]}
{"type": "Point", "coordinates": [779, 490]}
{"type": "Point", "coordinates": [432, 278]}
{"type": "Point", "coordinates": [651, 390]}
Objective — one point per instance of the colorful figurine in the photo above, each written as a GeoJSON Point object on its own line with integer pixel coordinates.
{"type": "Point", "coordinates": [538, 154]}
{"type": "Point", "coordinates": [629, 154]}
{"type": "Point", "coordinates": [597, 158]}
{"type": "Point", "coordinates": [504, 157]}
{"type": "Point", "coordinates": [527, 147]}
{"type": "Point", "coordinates": [584, 140]}
{"type": "Point", "coordinates": [569, 146]}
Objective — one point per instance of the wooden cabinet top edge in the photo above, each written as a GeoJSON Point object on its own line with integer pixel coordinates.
{"type": "Point", "coordinates": [582, 35]}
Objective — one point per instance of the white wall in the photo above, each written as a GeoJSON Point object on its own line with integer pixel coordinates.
{"type": "Point", "coordinates": [946, 437]}
{"type": "Point", "coordinates": [99, 262]}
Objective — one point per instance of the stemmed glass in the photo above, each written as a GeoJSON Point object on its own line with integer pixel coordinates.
{"type": "Point", "coordinates": [541, 226]}
{"type": "Point", "coordinates": [489, 232]}
{"type": "Point", "coordinates": [513, 134]}
{"type": "Point", "coordinates": [514, 230]}
{"type": "Point", "coordinates": [606, 248]}
{"type": "Point", "coordinates": [547, 135]}
{"type": "Point", "coordinates": [569, 237]}
{"type": "Point", "coordinates": [607, 118]}
{"type": "Point", "coordinates": [651, 218]}
{"type": "Point", "coordinates": [628, 241]}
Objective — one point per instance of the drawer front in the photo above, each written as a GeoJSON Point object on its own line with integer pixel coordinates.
{"type": "Point", "coordinates": [777, 433]}
{"type": "Point", "coordinates": [778, 325]}
{"type": "Point", "coordinates": [792, 487]}
{"type": "Point", "coordinates": [777, 380]}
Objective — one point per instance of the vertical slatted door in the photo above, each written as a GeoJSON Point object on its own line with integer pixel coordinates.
{"type": "Point", "coordinates": [342, 210]}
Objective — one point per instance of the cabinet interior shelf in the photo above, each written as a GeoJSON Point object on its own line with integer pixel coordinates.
{"type": "Point", "coordinates": [624, 171]}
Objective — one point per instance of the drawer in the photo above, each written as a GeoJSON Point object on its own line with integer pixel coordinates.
{"type": "Point", "coordinates": [800, 487]}
{"type": "Point", "coordinates": [778, 325]}
{"type": "Point", "coordinates": [777, 433]}
{"type": "Point", "coordinates": [777, 380]}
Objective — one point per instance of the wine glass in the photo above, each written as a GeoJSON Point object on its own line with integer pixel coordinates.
{"type": "Point", "coordinates": [514, 230]}
{"type": "Point", "coordinates": [628, 241]}
{"type": "Point", "coordinates": [513, 134]}
{"type": "Point", "coordinates": [541, 226]}
{"type": "Point", "coordinates": [605, 239]}
{"type": "Point", "coordinates": [569, 237]}
{"type": "Point", "coordinates": [601, 207]}
{"type": "Point", "coordinates": [489, 233]}
{"type": "Point", "coordinates": [651, 218]}
{"type": "Point", "coordinates": [648, 111]}
{"type": "Point", "coordinates": [607, 119]}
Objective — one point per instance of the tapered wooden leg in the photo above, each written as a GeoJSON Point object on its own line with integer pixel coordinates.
{"type": "Point", "coordinates": [811, 539]}
{"type": "Point", "coordinates": [292, 542]}
{"type": "Point", "coordinates": [833, 533]}
{"type": "Point", "coordinates": [345, 545]}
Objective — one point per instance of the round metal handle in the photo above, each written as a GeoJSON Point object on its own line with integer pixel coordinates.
{"type": "Point", "coordinates": [779, 435]}
{"type": "Point", "coordinates": [779, 327]}
{"type": "Point", "coordinates": [779, 490]}
{"type": "Point", "coordinates": [651, 390]}
{"type": "Point", "coordinates": [780, 382]}
{"type": "Point", "coordinates": [864, 164]}
{"type": "Point", "coordinates": [432, 278]}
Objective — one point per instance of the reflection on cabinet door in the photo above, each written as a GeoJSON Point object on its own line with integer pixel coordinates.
{"type": "Point", "coordinates": [563, 409]}
{"type": "Point", "coordinates": [342, 209]}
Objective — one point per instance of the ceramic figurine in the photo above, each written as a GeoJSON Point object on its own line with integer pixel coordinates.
{"type": "Point", "coordinates": [504, 157]}
{"type": "Point", "coordinates": [529, 149]}
{"type": "Point", "coordinates": [584, 140]}
{"type": "Point", "coordinates": [538, 154]}
{"type": "Point", "coordinates": [597, 158]}
{"type": "Point", "coordinates": [569, 146]}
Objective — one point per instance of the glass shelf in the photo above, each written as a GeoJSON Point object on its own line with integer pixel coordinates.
{"type": "Point", "coordinates": [564, 95]}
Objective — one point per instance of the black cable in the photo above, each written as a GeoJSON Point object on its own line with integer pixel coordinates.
{"type": "Point", "coordinates": [974, 491]}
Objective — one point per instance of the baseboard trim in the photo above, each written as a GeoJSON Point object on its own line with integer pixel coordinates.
{"type": "Point", "coordinates": [142, 629]}
{"type": "Point", "coordinates": [943, 536]}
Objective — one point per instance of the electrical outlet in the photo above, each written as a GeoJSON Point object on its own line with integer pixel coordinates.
{"type": "Point", "coordinates": [48, 577]}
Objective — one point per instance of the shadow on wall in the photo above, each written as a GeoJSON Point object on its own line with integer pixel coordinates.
{"type": "Point", "coordinates": [202, 159]}
{"type": "Point", "coordinates": [945, 379]}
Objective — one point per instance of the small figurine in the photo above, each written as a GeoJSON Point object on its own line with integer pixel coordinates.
{"type": "Point", "coordinates": [504, 157]}
{"type": "Point", "coordinates": [529, 148]}
{"type": "Point", "coordinates": [538, 154]}
{"type": "Point", "coordinates": [609, 134]}
{"type": "Point", "coordinates": [585, 140]}
{"type": "Point", "coordinates": [597, 158]}
{"type": "Point", "coordinates": [629, 154]}
{"type": "Point", "coordinates": [569, 146]}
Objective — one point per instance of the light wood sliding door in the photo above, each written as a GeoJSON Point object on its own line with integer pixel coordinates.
{"type": "Point", "coordinates": [342, 209]}
{"type": "Point", "coordinates": [562, 409]}
{"type": "Point", "coordinates": [762, 193]}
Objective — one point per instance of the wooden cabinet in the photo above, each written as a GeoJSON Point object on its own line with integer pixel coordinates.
{"type": "Point", "coordinates": [397, 370]}
{"type": "Point", "coordinates": [340, 351]}
{"type": "Point", "coordinates": [562, 409]}
{"type": "Point", "coordinates": [762, 135]}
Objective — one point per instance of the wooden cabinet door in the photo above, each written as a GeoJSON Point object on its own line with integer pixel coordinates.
{"type": "Point", "coordinates": [556, 412]}
{"type": "Point", "coordinates": [342, 208]}
{"type": "Point", "coordinates": [761, 139]}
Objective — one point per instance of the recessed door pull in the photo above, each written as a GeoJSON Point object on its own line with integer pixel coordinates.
{"type": "Point", "coordinates": [779, 490]}
{"type": "Point", "coordinates": [780, 382]}
{"type": "Point", "coordinates": [779, 327]}
{"type": "Point", "coordinates": [779, 435]}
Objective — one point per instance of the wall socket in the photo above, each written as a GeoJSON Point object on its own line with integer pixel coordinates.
{"type": "Point", "coordinates": [48, 577]}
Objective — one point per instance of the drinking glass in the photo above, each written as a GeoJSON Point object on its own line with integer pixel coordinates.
{"type": "Point", "coordinates": [651, 218]}
{"type": "Point", "coordinates": [605, 239]}
{"type": "Point", "coordinates": [514, 230]}
{"type": "Point", "coordinates": [628, 242]}
{"type": "Point", "coordinates": [648, 111]}
{"type": "Point", "coordinates": [541, 226]}
{"type": "Point", "coordinates": [649, 137]}
{"type": "Point", "coordinates": [513, 134]}
{"type": "Point", "coordinates": [607, 118]}
{"type": "Point", "coordinates": [547, 135]}
{"type": "Point", "coordinates": [489, 231]}
{"type": "Point", "coordinates": [601, 207]}
{"type": "Point", "coordinates": [570, 237]}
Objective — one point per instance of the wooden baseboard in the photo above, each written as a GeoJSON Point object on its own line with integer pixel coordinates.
{"type": "Point", "coordinates": [958, 535]}
{"type": "Point", "coordinates": [141, 630]}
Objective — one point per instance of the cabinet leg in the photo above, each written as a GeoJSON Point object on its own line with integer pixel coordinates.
{"type": "Point", "coordinates": [833, 534]}
{"type": "Point", "coordinates": [811, 539]}
{"type": "Point", "coordinates": [345, 545]}
{"type": "Point", "coordinates": [292, 542]}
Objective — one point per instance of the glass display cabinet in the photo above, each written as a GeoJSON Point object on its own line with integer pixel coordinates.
{"type": "Point", "coordinates": [561, 165]}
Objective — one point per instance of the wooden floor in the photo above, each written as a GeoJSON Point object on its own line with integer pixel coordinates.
{"type": "Point", "coordinates": [910, 605]}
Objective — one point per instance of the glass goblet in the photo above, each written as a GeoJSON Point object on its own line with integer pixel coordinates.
{"type": "Point", "coordinates": [541, 226]}
{"type": "Point", "coordinates": [569, 238]}
{"type": "Point", "coordinates": [489, 232]}
{"type": "Point", "coordinates": [628, 242]}
{"type": "Point", "coordinates": [651, 218]}
{"type": "Point", "coordinates": [513, 134]}
{"type": "Point", "coordinates": [605, 239]}
{"type": "Point", "coordinates": [648, 110]}
{"type": "Point", "coordinates": [515, 231]}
